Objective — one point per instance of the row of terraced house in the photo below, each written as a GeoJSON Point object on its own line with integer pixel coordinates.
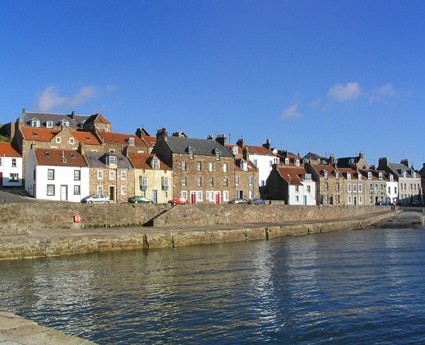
{"type": "Point", "coordinates": [66, 157]}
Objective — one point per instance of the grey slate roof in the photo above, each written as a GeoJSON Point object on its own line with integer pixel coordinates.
{"type": "Point", "coordinates": [396, 169]}
{"type": "Point", "coordinates": [74, 121]}
{"type": "Point", "coordinates": [97, 160]}
{"type": "Point", "coordinates": [204, 147]}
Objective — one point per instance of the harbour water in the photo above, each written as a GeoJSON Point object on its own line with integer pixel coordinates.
{"type": "Point", "coordinates": [350, 287]}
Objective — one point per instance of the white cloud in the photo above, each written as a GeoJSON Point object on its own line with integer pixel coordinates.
{"type": "Point", "coordinates": [50, 98]}
{"type": "Point", "coordinates": [345, 92]}
{"type": "Point", "coordinates": [384, 91]}
{"type": "Point", "coordinates": [291, 113]}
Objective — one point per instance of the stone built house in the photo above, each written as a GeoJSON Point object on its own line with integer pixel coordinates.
{"type": "Point", "coordinates": [409, 181]}
{"type": "Point", "coordinates": [60, 175]}
{"type": "Point", "coordinates": [353, 186]}
{"type": "Point", "coordinates": [111, 174]}
{"type": "Point", "coordinates": [379, 187]}
{"type": "Point", "coordinates": [329, 183]}
{"type": "Point", "coordinates": [203, 169]}
{"type": "Point", "coordinates": [153, 178]}
{"type": "Point", "coordinates": [10, 166]}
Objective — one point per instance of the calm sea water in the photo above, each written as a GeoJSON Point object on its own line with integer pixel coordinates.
{"type": "Point", "coordinates": [351, 287]}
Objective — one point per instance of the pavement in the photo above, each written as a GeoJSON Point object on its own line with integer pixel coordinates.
{"type": "Point", "coordinates": [15, 330]}
{"type": "Point", "coordinates": [14, 194]}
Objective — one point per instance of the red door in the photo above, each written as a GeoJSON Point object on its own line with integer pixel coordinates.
{"type": "Point", "coordinates": [193, 198]}
{"type": "Point", "coordinates": [217, 198]}
{"type": "Point", "coordinates": [1, 179]}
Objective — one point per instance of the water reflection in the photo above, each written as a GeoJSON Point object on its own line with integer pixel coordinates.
{"type": "Point", "coordinates": [346, 287]}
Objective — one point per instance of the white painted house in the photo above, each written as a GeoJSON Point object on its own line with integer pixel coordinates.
{"type": "Point", "coordinates": [10, 166]}
{"type": "Point", "coordinates": [61, 175]}
{"type": "Point", "coordinates": [392, 188]}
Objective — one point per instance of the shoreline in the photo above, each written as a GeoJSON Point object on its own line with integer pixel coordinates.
{"type": "Point", "coordinates": [40, 243]}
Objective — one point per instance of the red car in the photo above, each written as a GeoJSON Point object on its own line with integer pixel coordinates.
{"type": "Point", "coordinates": [178, 201]}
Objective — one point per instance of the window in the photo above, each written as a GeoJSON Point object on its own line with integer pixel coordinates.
{"type": "Point", "coordinates": [64, 123]}
{"type": "Point", "coordinates": [199, 166]}
{"type": "Point", "coordinates": [349, 200]}
{"type": "Point", "coordinates": [99, 189]}
{"type": "Point", "coordinates": [225, 196]}
{"type": "Point", "coordinates": [217, 155]}
{"type": "Point", "coordinates": [382, 187]}
{"type": "Point", "coordinates": [360, 199]}
{"type": "Point", "coordinates": [71, 141]}
{"type": "Point", "coordinates": [50, 189]}
{"type": "Point", "coordinates": [395, 190]}
{"type": "Point", "coordinates": [371, 187]}
{"type": "Point", "coordinates": [225, 182]}
{"type": "Point", "coordinates": [255, 162]}
{"type": "Point", "coordinates": [100, 174]}
{"type": "Point", "coordinates": [184, 166]}
{"type": "Point", "coordinates": [224, 167]}
{"type": "Point", "coordinates": [211, 181]}
{"type": "Point", "coordinates": [251, 194]}
{"type": "Point", "coordinates": [199, 196]}
{"type": "Point", "coordinates": [155, 163]}
{"type": "Point", "coordinates": [13, 177]}
{"type": "Point", "coordinates": [13, 162]}
{"type": "Point", "coordinates": [250, 181]}
{"type": "Point", "coordinates": [349, 187]}
{"type": "Point", "coordinates": [210, 196]}
{"type": "Point", "coordinates": [77, 175]}
{"type": "Point", "coordinates": [210, 166]}
{"type": "Point", "coordinates": [1, 162]}
{"type": "Point", "coordinates": [309, 189]}
{"type": "Point", "coordinates": [244, 165]}
{"type": "Point", "coordinates": [325, 174]}
{"type": "Point", "coordinates": [360, 188]}
{"type": "Point", "coordinates": [58, 140]}
{"type": "Point", "coordinates": [50, 174]}
{"type": "Point", "coordinates": [76, 190]}
{"type": "Point", "coordinates": [49, 124]}
{"type": "Point", "coordinates": [164, 183]}
{"type": "Point", "coordinates": [376, 187]}
{"type": "Point", "coordinates": [184, 194]}
{"type": "Point", "coordinates": [123, 175]}
{"type": "Point", "coordinates": [112, 160]}
{"type": "Point", "coordinates": [389, 190]}
{"type": "Point", "coordinates": [326, 186]}
{"type": "Point", "coordinates": [199, 181]}
{"type": "Point", "coordinates": [337, 187]}
{"type": "Point", "coordinates": [297, 189]}
{"type": "Point", "coordinates": [237, 180]}
{"type": "Point", "coordinates": [143, 181]}
{"type": "Point", "coordinates": [35, 123]}
{"type": "Point", "coordinates": [369, 175]}
{"type": "Point", "coordinates": [338, 200]}
{"type": "Point", "coordinates": [112, 174]}
{"type": "Point", "coordinates": [184, 181]}
{"type": "Point", "coordinates": [123, 190]}
{"type": "Point", "coordinates": [354, 188]}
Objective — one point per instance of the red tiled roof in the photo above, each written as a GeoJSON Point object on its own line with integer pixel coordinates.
{"type": "Point", "coordinates": [86, 138]}
{"type": "Point", "coordinates": [251, 167]}
{"type": "Point", "coordinates": [59, 158]}
{"type": "Point", "coordinates": [119, 138]}
{"type": "Point", "coordinates": [259, 150]}
{"type": "Point", "coordinates": [150, 141]}
{"type": "Point", "coordinates": [143, 161]}
{"type": "Point", "coordinates": [318, 168]}
{"type": "Point", "coordinates": [7, 150]}
{"type": "Point", "coordinates": [293, 175]}
{"type": "Point", "coordinates": [39, 134]}
{"type": "Point", "coordinates": [98, 118]}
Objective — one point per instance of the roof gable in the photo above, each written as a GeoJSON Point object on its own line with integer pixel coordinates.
{"type": "Point", "coordinates": [59, 158]}
{"type": "Point", "coordinates": [143, 161]}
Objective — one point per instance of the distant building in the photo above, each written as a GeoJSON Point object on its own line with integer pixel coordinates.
{"type": "Point", "coordinates": [10, 166]}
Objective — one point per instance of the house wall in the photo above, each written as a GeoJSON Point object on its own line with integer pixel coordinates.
{"type": "Point", "coordinates": [410, 190]}
{"type": "Point", "coordinates": [310, 196]}
{"type": "Point", "coordinates": [154, 178]}
{"type": "Point", "coordinates": [63, 183]}
{"type": "Point", "coordinates": [392, 191]}
{"type": "Point", "coordinates": [7, 168]}
{"type": "Point", "coordinates": [264, 165]}
{"type": "Point", "coordinates": [277, 187]}
{"type": "Point", "coordinates": [354, 191]}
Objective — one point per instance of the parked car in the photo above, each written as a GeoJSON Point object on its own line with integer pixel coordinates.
{"type": "Point", "coordinates": [178, 201]}
{"type": "Point", "coordinates": [96, 199]}
{"type": "Point", "coordinates": [140, 200]}
{"type": "Point", "coordinates": [238, 201]}
{"type": "Point", "coordinates": [256, 202]}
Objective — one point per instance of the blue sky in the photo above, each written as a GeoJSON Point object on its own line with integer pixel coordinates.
{"type": "Point", "coordinates": [322, 76]}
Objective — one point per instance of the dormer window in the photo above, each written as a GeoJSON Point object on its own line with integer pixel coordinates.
{"type": "Point", "coordinates": [413, 173]}
{"type": "Point", "coordinates": [360, 178]}
{"type": "Point", "coordinates": [35, 122]}
{"type": "Point", "coordinates": [297, 162]}
{"type": "Point", "coordinates": [49, 124]}
{"type": "Point", "coordinates": [307, 177]}
{"type": "Point", "coordinates": [131, 141]}
{"type": "Point", "coordinates": [348, 176]}
{"type": "Point", "coordinates": [369, 175]}
{"type": "Point", "coordinates": [391, 177]}
{"type": "Point", "coordinates": [191, 151]}
{"type": "Point", "coordinates": [336, 174]}
{"type": "Point", "coordinates": [58, 140]}
{"type": "Point", "coordinates": [82, 124]}
{"type": "Point", "coordinates": [235, 150]}
{"type": "Point", "coordinates": [155, 163]}
{"type": "Point", "coordinates": [111, 160]}
{"type": "Point", "coordinates": [286, 160]}
{"type": "Point", "coordinates": [380, 176]}
{"type": "Point", "coordinates": [64, 123]}
{"type": "Point", "coordinates": [325, 173]}
{"type": "Point", "coordinates": [217, 153]}
{"type": "Point", "coordinates": [244, 165]}
{"type": "Point", "coordinates": [403, 173]}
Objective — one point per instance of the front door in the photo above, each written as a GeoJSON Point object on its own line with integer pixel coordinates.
{"type": "Point", "coordinates": [155, 196]}
{"type": "Point", "coordinates": [1, 179]}
{"type": "Point", "coordinates": [64, 193]}
{"type": "Point", "coordinates": [305, 199]}
{"type": "Point", "coordinates": [217, 197]}
{"type": "Point", "coordinates": [112, 193]}
{"type": "Point", "coordinates": [193, 197]}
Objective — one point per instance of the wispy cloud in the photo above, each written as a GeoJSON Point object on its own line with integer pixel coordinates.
{"type": "Point", "coordinates": [345, 92]}
{"type": "Point", "coordinates": [291, 113]}
{"type": "Point", "coordinates": [51, 98]}
{"type": "Point", "coordinates": [382, 92]}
